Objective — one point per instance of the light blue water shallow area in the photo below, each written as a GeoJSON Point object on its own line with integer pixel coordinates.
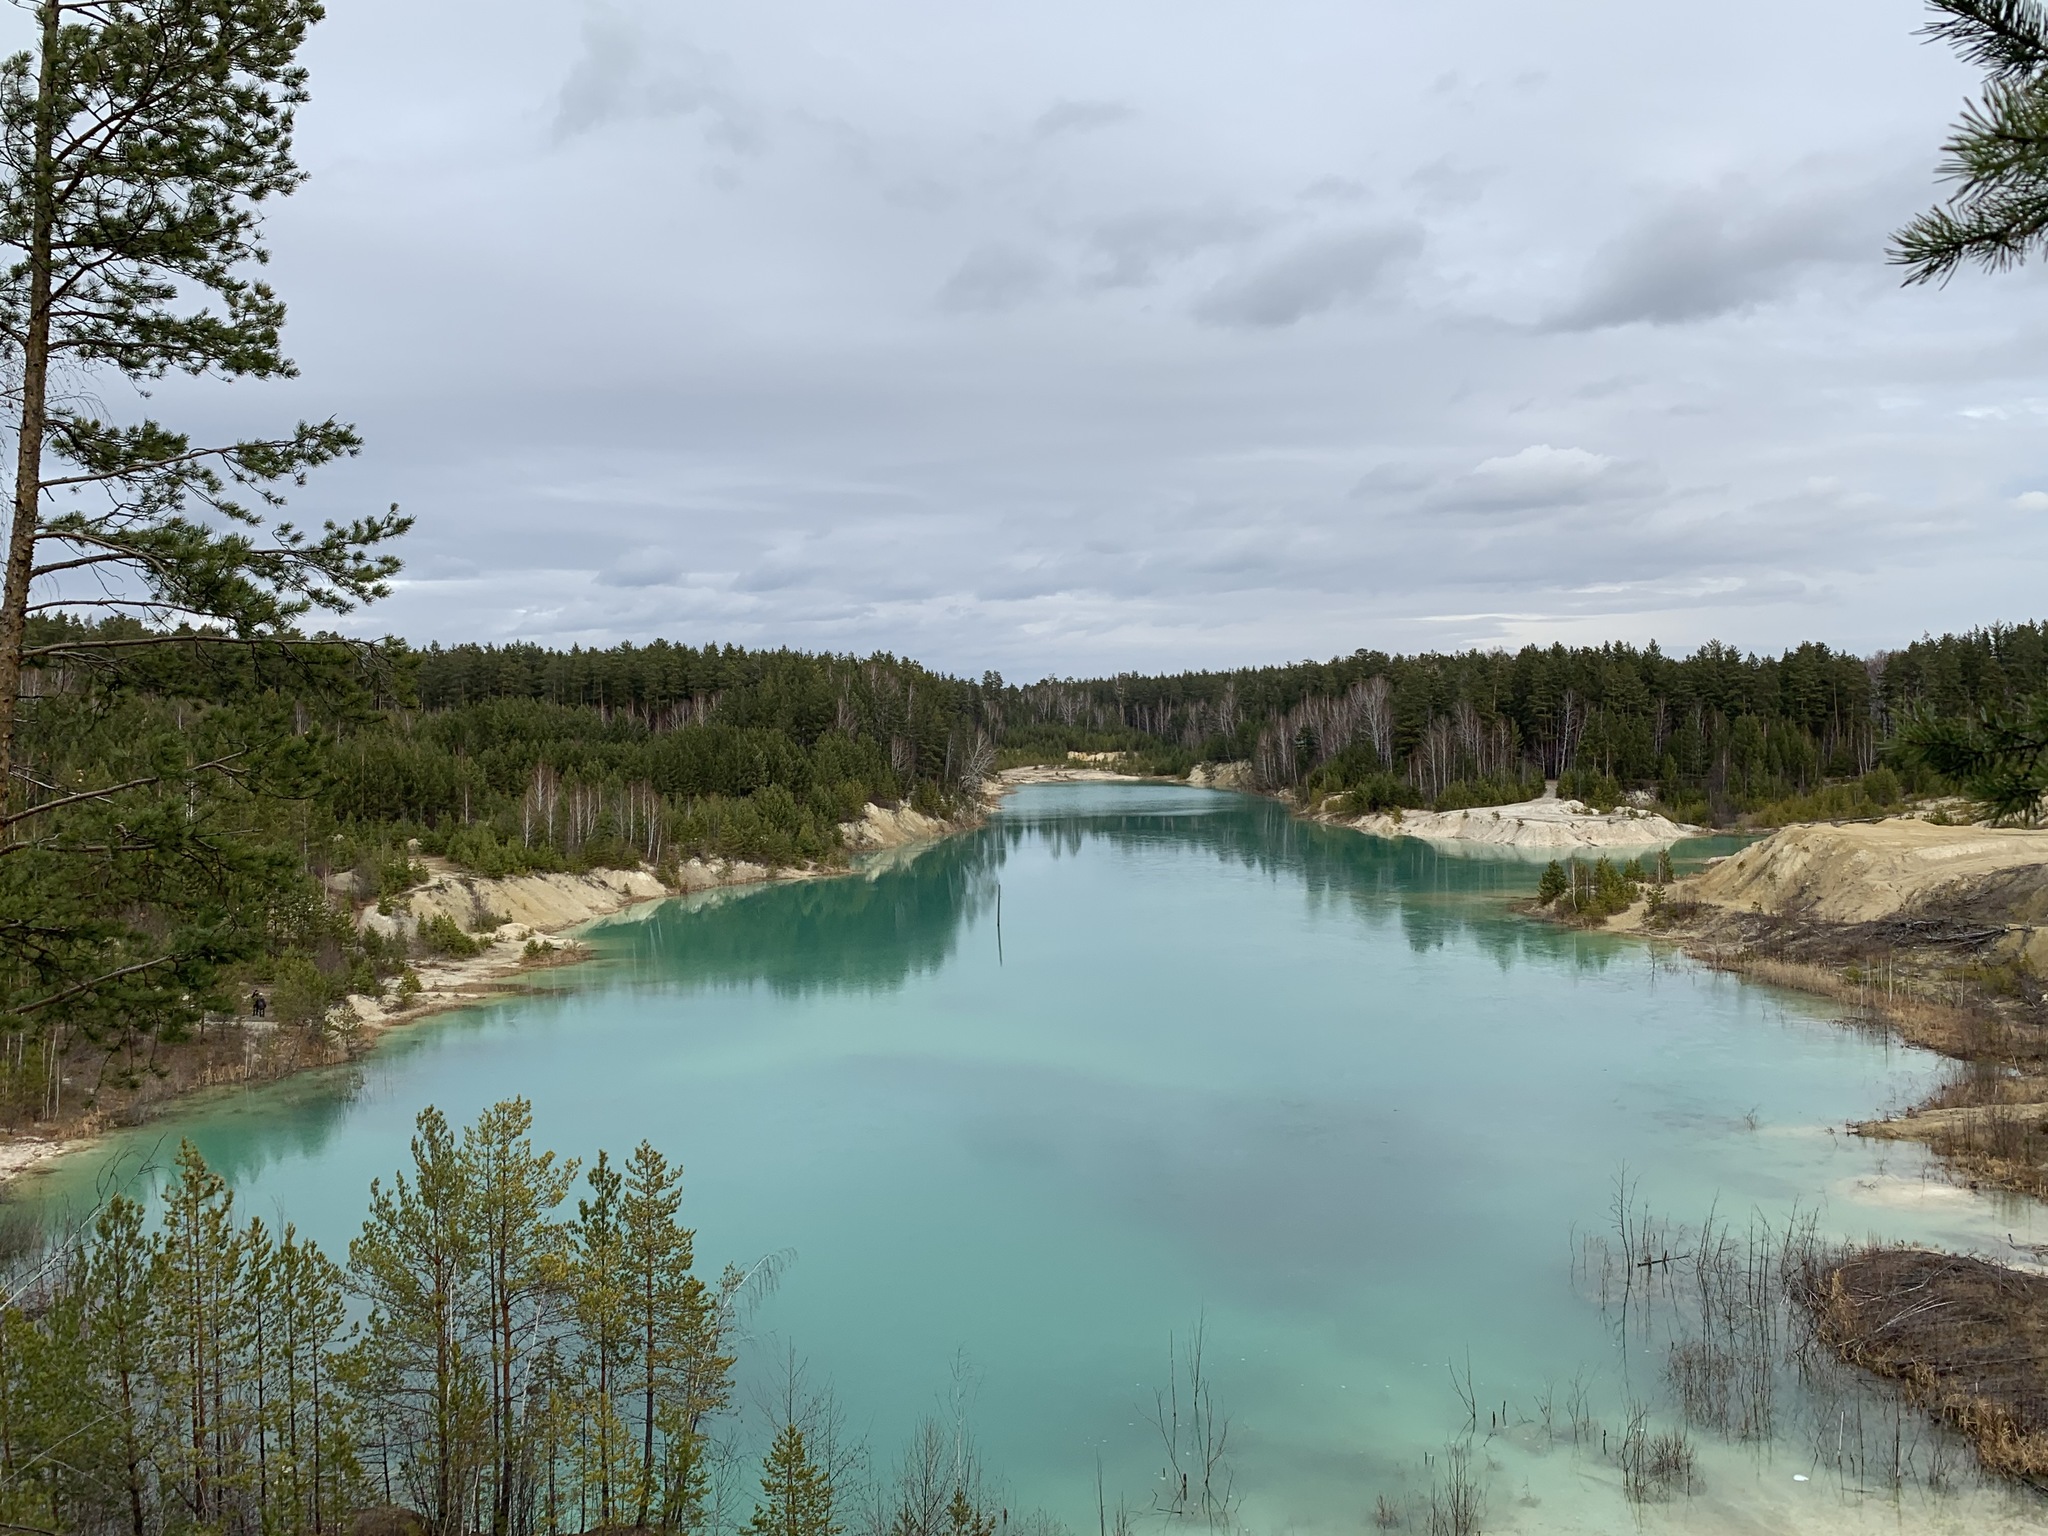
{"type": "Point", "coordinates": [1327, 1092]}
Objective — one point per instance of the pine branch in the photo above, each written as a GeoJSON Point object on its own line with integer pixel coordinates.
{"type": "Point", "coordinates": [2007, 38]}
{"type": "Point", "coordinates": [97, 981]}
{"type": "Point", "coordinates": [1998, 158]}
{"type": "Point", "coordinates": [108, 793]}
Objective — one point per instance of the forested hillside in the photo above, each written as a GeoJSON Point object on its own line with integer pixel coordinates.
{"type": "Point", "coordinates": [1715, 733]}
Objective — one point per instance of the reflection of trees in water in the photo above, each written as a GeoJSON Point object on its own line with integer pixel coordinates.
{"type": "Point", "coordinates": [277, 1122]}
{"type": "Point", "coordinates": [1436, 895]}
{"type": "Point", "coordinates": [876, 930]}
{"type": "Point", "coordinates": [863, 932]}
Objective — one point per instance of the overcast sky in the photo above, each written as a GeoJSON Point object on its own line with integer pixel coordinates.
{"type": "Point", "coordinates": [1073, 337]}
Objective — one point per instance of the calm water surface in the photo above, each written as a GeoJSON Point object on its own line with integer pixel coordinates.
{"type": "Point", "coordinates": [1321, 1091]}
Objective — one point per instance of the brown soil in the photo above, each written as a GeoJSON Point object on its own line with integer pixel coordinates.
{"type": "Point", "coordinates": [1965, 1339]}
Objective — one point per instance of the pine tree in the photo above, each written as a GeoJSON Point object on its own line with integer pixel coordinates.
{"type": "Point", "coordinates": [317, 1471]}
{"type": "Point", "coordinates": [602, 1292]}
{"type": "Point", "coordinates": [796, 1497]}
{"type": "Point", "coordinates": [196, 1285]}
{"type": "Point", "coordinates": [138, 141]}
{"type": "Point", "coordinates": [419, 1368]}
{"type": "Point", "coordinates": [120, 1274]}
{"type": "Point", "coordinates": [682, 1371]}
{"type": "Point", "coordinates": [513, 1191]}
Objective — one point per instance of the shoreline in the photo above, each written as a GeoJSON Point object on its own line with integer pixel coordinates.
{"type": "Point", "coordinates": [1932, 934]}
{"type": "Point", "coordinates": [549, 908]}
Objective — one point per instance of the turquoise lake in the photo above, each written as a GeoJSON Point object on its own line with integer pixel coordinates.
{"type": "Point", "coordinates": [1327, 1094]}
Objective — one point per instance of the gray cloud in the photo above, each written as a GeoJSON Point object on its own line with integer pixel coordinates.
{"type": "Point", "coordinates": [1720, 250]}
{"type": "Point", "coordinates": [645, 566]}
{"type": "Point", "coordinates": [995, 277]}
{"type": "Point", "coordinates": [1131, 249]}
{"type": "Point", "coordinates": [1080, 117]}
{"type": "Point", "coordinates": [1318, 274]}
{"type": "Point", "coordinates": [624, 72]}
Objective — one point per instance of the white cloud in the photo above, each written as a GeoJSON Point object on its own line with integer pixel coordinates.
{"type": "Point", "coordinates": [1541, 476]}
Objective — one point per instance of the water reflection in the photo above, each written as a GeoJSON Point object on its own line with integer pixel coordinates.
{"type": "Point", "coordinates": [902, 915]}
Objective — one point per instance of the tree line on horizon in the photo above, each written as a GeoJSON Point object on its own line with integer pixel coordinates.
{"type": "Point", "coordinates": [1716, 733]}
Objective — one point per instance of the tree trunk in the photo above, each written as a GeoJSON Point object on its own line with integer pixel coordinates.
{"type": "Point", "coordinates": [35, 379]}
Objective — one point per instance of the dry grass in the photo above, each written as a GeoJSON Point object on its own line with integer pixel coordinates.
{"type": "Point", "coordinates": [1965, 1339]}
{"type": "Point", "coordinates": [1953, 1029]}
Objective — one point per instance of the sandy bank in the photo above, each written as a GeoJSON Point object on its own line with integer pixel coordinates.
{"type": "Point", "coordinates": [508, 914]}
{"type": "Point", "coordinates": [1053, 773]}
{"type": "Point", "coordinates": [1867, 871]}
{"type": "Point", "coordinates": [519, 922]}
{"type": "Point", "coordinates": [1545, 825]}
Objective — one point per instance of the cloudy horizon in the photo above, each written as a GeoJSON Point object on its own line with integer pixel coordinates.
{"type": "Point", "coordinates": [1074, 339]}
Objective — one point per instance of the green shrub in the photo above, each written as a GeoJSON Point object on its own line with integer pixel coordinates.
{"type": "Point", "coordinates": [442, 936]}
{"type": "Point", "coordinates": [299, 994]}
{"type": "Point", "coordinates": [1871, 795]}
{"type": "Point", "coordinates": [1597, 791]}
{"type": "Point", "coordinates": [1469, 794]}
{"type": "Point", "coordinates": [1881, 787]}
{"type": "Point", "coordinates": [1600, 891]}
{"type": "Point", "coordinates": [1379, 792]}
{"type": "Point", "coordinates": [400, 873]}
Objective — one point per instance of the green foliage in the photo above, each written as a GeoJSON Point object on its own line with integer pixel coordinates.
{"type": "Point", "coordinates": [1712, 734]}
{"type": "Point", "coordinates": [1999, 757]}
{"type": "Point", "coordinates": [299, 993]}
{"type": "Point", "coordinates": [500, 1338]}
{"type": "Point", "coordinates": [442, 935]}
{"type": "Point", "coordinates": [140, 141]}
{"type": "Point", "coordinates": [1874, 794]}
{"type": "Point", "coordinates": [177, 1378]}
{"type": "Point", "coordinates": [1998, 213]}
{"type": "Point", "coordinates": [796, 1499]}
{"type": "Point", "coordinates": [1378, 792]}
{"type": "Point", "coordinates": [1467, 794]}
{"type": "Point", "coordinates": [1597, 791]}
{"type": "Point", "coordinates": [1601, 891]}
